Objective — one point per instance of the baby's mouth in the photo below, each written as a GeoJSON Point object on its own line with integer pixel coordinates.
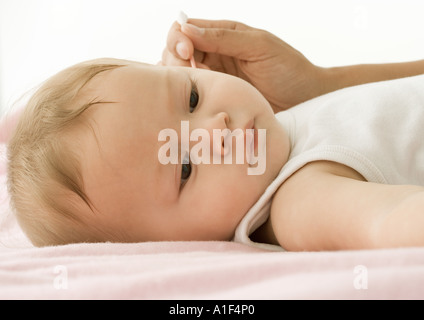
{"type": "Point", "coordinates": [250, 139]}
{"type": "Point", "coordinates": [255, 139]}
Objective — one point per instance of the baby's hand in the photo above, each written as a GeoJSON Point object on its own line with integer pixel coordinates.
{"type": "Point", "coordinates": [282, 74]}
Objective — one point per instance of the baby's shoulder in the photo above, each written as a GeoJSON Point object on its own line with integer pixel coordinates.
{"type": "Point", "coordinates": [305, 204]}
{"type": "Point", "coordinates": [310, 181]}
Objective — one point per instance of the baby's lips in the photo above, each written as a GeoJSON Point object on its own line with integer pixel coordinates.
{"type": "Point", "coordinates": [250, 145]}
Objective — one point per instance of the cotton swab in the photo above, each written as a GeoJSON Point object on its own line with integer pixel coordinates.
{"type": "Point", "coordinates": [182, 18]}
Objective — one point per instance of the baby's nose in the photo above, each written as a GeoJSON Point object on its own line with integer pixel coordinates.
{"type": "Point", "coordinates": [220, 132]}
{"type": "Point", "coordinates": [223, 117]}
{"type": "Point", "coordinates": [216, 131]}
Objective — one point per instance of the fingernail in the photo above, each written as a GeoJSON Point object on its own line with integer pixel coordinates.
{"type": "Point", "coordinates": [182, 50]}
{"type": "Point", "coordinates": [194, 30]}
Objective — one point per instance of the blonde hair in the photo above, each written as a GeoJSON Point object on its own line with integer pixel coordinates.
{"type": "Point", "coordinates": [44, 177]}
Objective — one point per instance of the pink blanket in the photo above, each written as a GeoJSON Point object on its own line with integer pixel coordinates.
{"type": "Point", "coordinates": [196, 270]}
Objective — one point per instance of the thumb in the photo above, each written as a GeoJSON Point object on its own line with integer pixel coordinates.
{"type": "Point", "coordinates": [240, 44]}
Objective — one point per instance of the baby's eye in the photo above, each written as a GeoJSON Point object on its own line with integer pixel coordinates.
{"type": "Point", "coordinates": [185, 169]}
{"type": "Point", "coordinates": [194, 97]}
{"type": "Point", "coordinates": [185, 172]}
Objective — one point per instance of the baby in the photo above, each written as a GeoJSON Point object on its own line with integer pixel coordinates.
{"type": "Point", "coordinates": [84, 166]}
{"type": "Point", "coordinates": [84, 159]}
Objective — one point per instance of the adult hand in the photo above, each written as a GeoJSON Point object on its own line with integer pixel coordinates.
{"type": "Point", "coordinates": [281, 73]}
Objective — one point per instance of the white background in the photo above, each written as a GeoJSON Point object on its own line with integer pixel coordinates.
{"type": "Point", "coordinates": [40, 37]}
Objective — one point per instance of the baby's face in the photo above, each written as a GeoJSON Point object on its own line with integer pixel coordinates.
{"type": "Point", "coordinates": [142, 199]}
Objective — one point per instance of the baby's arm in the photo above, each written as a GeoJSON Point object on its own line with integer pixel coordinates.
{"type": "Point", "coordinates": [326, 206]}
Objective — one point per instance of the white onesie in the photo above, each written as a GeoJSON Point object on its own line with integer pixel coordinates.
{"type": "Point", "coordinates": [377, 129]}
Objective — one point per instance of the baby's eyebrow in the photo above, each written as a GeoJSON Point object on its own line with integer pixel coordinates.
{"type": "Point", "coordinates": [172, 86]}
{"type": "Point", "coordinates": [176, 88]}
{"type": "Point", "coordinates": [168, 181]}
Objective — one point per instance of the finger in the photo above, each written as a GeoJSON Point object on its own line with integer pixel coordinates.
{"type": "Point", "coordinates": [168, 59]}
{"type": "Point", "coordinates": [221, 24]}
{"type": "Point", "coordinates": [178, 43]}
{"type": "Point", "coordinates": [200, 65]}
{"type": "Point", "coordinates": [229, 42]}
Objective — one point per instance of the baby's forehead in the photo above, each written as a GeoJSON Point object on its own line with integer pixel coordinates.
{"type": "Point", "coordinates": [135, 88]}
{"type": "Point", "coordinates": [121, 68]}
